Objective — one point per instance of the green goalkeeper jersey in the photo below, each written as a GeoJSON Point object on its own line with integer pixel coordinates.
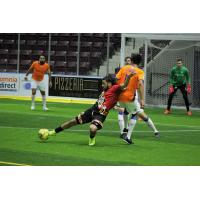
{"type": "Point", "coordinates": [179, 76]}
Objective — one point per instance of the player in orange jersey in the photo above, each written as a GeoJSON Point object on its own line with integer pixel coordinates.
{"type": "Point", "coordinates": [123, 115]}
{"type": "Point", "coordinates": [127, 97]}
{"type": "Point", "coordinates": [39, 68]}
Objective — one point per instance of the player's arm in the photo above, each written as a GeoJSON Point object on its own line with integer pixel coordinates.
{"type": "Point", "coordinates": [50, 80]}
{"type": "Point", "coordinates": [141, 92]}
{"type": "Point", "coordinates": [28, 72]}
{"type": "Point", "coordinates": [124, 85]}
{"type": "Point", "coordinates": [141, 87]}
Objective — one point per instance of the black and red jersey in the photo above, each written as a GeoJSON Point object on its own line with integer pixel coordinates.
{"type": "Point", "coordinates": [109, 98]}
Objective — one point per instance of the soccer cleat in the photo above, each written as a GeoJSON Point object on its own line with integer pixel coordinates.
{"type": "Point", "coordinates": [189, 113]}
{"type": "Point", "coordinates": [125, 131]}
{"type": "Point", "coordinates": [45, 108]}
{"type": "Point", "coordinates": [91, 141]}
{"type": "Point", "coordinates": [125, 139]}
{"type": "Point", "coordinates": [32, 107]}
{"type": "Point", "coordinates": [51, 132]}
{"type": "Point", "coordinates": [123, 135]}
{"type": "Point", "coordinates": [157, 134]}
{"type": "Point", "coordinates": [167, 112]}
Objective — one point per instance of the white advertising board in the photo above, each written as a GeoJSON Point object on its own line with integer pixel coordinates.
{"type": "Point", "coordinates": [25, 86]}
{"type": "Point", "coordinates": [13, 84]}
{"type": "Point", "coordinates": [9, 84]}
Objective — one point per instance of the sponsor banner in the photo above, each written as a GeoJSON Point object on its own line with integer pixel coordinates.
{"type": "Point", "coordinates": [25, 86]}
{"type": "Point", "coordinates": [62, 86]}
{"type": "Point", "coordinates": [9, 83]}
{"type": "Point", "coordinates": [80, 87]}
{"type": "Point", "coordinates": [14, 84]}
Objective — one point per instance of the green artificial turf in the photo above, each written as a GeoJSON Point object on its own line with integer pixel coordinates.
{"type": "Point", "coordinates": [179, 144]}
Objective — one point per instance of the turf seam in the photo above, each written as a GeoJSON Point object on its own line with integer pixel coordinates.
{"type": "Point", "coordinates": [85, 130]}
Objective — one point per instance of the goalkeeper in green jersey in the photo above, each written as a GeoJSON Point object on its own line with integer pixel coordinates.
{"type": "Point", "coordinates": [179, 79]}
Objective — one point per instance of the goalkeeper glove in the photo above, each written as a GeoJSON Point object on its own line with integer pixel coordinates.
{"type": "Point", "coordinates": [171, 89]}
{"type": "Point", "coordinates": [189, 89]}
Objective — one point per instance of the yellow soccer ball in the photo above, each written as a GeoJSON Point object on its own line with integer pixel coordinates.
{"type": "Point", "coordinates": [43, 134]}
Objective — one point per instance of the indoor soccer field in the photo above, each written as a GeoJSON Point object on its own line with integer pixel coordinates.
{"type": "Point", "coordinates": [19, 143]}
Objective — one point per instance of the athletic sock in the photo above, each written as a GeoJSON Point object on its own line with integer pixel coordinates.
{"type": "Point", "coordinates": [44, 100]}
{"type": "Point", "coordinates": [151, 125]}
{"type": "Point", "coordinates": [92, 135]}
{"type": "Point", "coordinates": [59, 129]}
{"type": "Point", "coordinates": [33, 100]}
{"type": "Point", "coordinates": [121, 122]}
{"type": "Point", "coordinates": [125, 121]}
{"type": "Point", "coordinates": [131, 126]}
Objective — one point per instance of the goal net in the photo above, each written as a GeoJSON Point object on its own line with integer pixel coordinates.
{"type": "Point", "coordinates": [159, 56]}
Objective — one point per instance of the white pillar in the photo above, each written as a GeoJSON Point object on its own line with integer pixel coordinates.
{"type": "Point", "coordinates": [122, 51]}
{"type": "Point", "coordinates": [145, 68]}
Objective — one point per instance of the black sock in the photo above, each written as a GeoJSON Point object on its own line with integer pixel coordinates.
{"type": "Point", "coordinates": [125, 130]}
{"type": "Point", "coordinates": [59, 129]}
{"type": "Point", "coordinates": [92, 135]}
{"type": "Point", "coordinates": [146, 119]}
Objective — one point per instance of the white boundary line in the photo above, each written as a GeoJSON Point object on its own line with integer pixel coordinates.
{"type": "Point", "coordinates": [177, 125]}
{"type": "Point", "coordinates": [12, 163]}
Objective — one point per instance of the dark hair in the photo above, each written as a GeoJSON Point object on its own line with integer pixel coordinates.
{"type": "Point", "coordinates": [179, 59]}
{"type": "Point", "coordinates": [110, 78]}
{"type": "Point", "coordinates": [136, 58]}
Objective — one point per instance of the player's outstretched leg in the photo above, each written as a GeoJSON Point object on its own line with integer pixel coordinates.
{"type": "Point", "coordinates": [150, 123]}
{"type": "Point", "coordinates": [47, 133]}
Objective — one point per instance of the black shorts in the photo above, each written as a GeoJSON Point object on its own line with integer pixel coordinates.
{"type": "Point", "coordinates": [91, 115]}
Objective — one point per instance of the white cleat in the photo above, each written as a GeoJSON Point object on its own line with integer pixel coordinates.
{"type": "Point", "coordinates": [32, 107]}
{"type": "Point", "coordinates": [45, 108]}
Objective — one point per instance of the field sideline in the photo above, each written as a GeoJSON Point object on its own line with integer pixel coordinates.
{"type": "Point", "coordinates": [19, 143]}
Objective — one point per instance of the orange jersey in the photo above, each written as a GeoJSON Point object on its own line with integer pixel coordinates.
{"type": "Point", "coordinates": [129, 93]}
{"type": "Point", "coordinates": [39, 70]}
